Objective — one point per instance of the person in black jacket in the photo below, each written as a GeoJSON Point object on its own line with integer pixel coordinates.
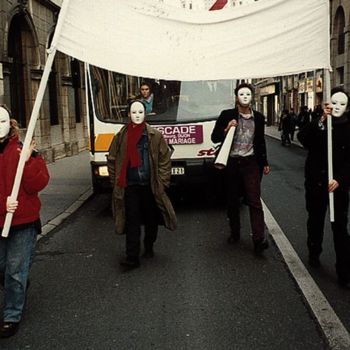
{"type": "Point", "coordinates": [247, 158]}
{"type": "Point", "coordinates": [285, 126]}
{"type": "Point", "coordinates": [317, 187]}
{"type": "Point", "coordinates": [303, 117]}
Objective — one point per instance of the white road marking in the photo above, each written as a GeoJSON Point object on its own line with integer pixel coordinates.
{"type": "Point", "coordinates": [336, 334]}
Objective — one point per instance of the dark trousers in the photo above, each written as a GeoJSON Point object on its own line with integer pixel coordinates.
{"type": "Point", "coordinates": [244, 171]}
{"type": "Point", "coordinates": [292, 135]}
{"type": "Point", "coordinates": [285, 138]}
{"type": "Point", "coordinates": [316, 196]}
{"type": "Point", "coordinates": [140, 208]}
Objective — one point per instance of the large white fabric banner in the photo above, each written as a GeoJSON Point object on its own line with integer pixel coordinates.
{"type": "Point", "coordinates": [151, 39]}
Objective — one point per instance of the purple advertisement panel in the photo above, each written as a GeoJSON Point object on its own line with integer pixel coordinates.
{"type": "Point", "coordinates": [182, 134]}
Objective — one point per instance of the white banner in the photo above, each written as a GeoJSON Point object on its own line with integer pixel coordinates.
{"type": "Point", "coordinates": [152, 39]}
{"type": "Point", "coordinates": [222, 158]}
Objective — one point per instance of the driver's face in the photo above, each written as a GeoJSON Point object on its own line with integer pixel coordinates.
{"type": "Point", "coordinates": [145, 91]}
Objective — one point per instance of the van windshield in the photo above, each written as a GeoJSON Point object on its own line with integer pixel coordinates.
{"type": "Point", "coordinates": [166, 101]}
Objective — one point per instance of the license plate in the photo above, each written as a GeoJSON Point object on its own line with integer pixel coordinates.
{"type": "Point", "coordinates": [178, 171]}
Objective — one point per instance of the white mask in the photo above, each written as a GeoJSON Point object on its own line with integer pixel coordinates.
{"type": "Point", "coordinates": [339, 102]}
{"type": "Point", "coordinates": [244, 96]}
{"type": "Point", "coordinates": [4, 123]}
{"type": "Point", "coordinates": [137, 113]}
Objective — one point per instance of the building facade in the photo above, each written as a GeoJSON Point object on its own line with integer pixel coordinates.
{"type": "Point", "coordinates": [307, 88]}
{"type": "Point", "coordinates": [26, 30]}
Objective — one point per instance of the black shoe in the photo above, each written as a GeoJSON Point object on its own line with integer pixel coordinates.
{"type": "Point", "coordinates": [343, 279]}
{"type": "Point", "coordinates": [8, 329]}
{"type": "Point", "coordinates": [260, 246]}
{"type": "Point", "coordinates": [314, 261]}
{"type": "Point", "coordinates": [129, 264]}
{"type": "Point", "coordinates": [148, 254]}
{"type": "Point", "coordinates": [233, 239]}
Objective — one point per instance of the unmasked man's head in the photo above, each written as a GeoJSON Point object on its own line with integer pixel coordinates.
{"type": "Point", "coordinates": [339, 102]}
{"type": "Point", "coordinates": [4, 122]}
{"type": "Point", "coordinates": [145, 90]}
{"type": "Point", "coordinates": [137, 112]}
{"type": "Point", "coordinates": [244, 94]}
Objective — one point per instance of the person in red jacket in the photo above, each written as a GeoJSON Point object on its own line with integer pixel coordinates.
{"type": "Point", "coordinates": [17, 250]}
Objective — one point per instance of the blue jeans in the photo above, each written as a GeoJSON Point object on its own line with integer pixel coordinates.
{"type": "Point", "coordinates": [16, 256]}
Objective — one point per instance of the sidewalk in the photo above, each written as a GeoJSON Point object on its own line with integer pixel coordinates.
{"type": "Point", "coordinates": [69, 187]}
{"type": "Point", "coordinates": [273, 132]}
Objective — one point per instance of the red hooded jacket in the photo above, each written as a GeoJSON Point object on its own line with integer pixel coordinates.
{"type": "Point", "coordinates": [35, 178]}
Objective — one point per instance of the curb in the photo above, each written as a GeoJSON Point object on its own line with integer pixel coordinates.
{"type": "Point", "coordinates": [52, 224]}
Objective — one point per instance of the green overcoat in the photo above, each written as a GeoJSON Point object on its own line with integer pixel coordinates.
{"type": "Point", "coordinates": [160, 168]}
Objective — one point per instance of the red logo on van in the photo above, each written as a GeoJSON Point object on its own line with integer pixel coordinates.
{"type": "Point", "coordinates": [206, 152]}
{"type": "Point", "coordinates": [181, 134]}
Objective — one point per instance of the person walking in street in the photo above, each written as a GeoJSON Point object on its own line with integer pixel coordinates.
{"type": "Point", "coordinates": [303, 117]}
{"type": "Point", "coordinates": [317, 187]}
{"type": "Point", "coordinates": [140, 168]}
{"type": "Point", "coordinates": [246, 158]}
{"type": "Point", "coordinates": [285, 128]}
{"type": "Point", "coordinates": [17, 250]}
{"type": "Point", "coordinates": [317, 112]}
{"type": "Point", "coordinates": [293, 123]}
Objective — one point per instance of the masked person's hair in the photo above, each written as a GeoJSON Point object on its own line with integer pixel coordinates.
{"type": "Point", "coordinates": [340, 89]}
{"type": "Point", "coordinates": [131, 102]}
{"type": "Point", "coordinates": [14, 128]}
{"type": "Point", "coordinates": [244, 85]}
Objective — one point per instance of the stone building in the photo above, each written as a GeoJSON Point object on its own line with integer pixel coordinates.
{"type": "Point", "coordinates": [340, 42]}
{"type": "Point", "coordinates": [26, 30]}
{"type": "Point", "coordinates": [307, 88]}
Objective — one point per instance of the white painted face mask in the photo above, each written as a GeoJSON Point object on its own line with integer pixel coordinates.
{"type": "Point", "coordinates": [244, 96]}
{"type": "Point", "coordinates": [4, 123]}
{"type": "Point", "coordinates": [137, 113]}
{"type": "Point", "coordinates": [339, 102]}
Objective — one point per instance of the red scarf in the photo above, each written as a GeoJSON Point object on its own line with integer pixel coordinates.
{"type": "Point", "coordinates": [132, 156]}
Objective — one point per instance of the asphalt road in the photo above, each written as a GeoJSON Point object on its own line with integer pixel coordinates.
{"type": "Point", "coordinates": [197, 293]}
{"type": "Point", "coordinates": [283, 193]}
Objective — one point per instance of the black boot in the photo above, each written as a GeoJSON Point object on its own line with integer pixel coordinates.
{"type": "Point", "coordinates": [260, 246]}
{"type": "Point", "coordinates": [343, 275]}
{"type": "Point", "coordinates": [149, 252]}
{"type": "Point", "coordinates": [129, 263]}
{"type": "Point", "coordinates": [234, 238]}
{"type": "Point", "coordinates": [314, 260]}
{"type": "Point", "coordinates": [8, 329]}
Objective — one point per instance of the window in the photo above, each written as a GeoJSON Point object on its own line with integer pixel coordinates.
{"type": "Point", "coordinates": [52, 89]}
{"type": "Point", "coordinates": [19, 43]}
{"type": "Point", "coordinates": [340, 76]}
{"type": "Point", "coordinates": [170, 101]}
{"type": "Point", "coordinates": [53, 103]}
{"type": "Point", "coordinates": [76, 83]}
{"type": "Point", "coordinates": [339, 26]}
